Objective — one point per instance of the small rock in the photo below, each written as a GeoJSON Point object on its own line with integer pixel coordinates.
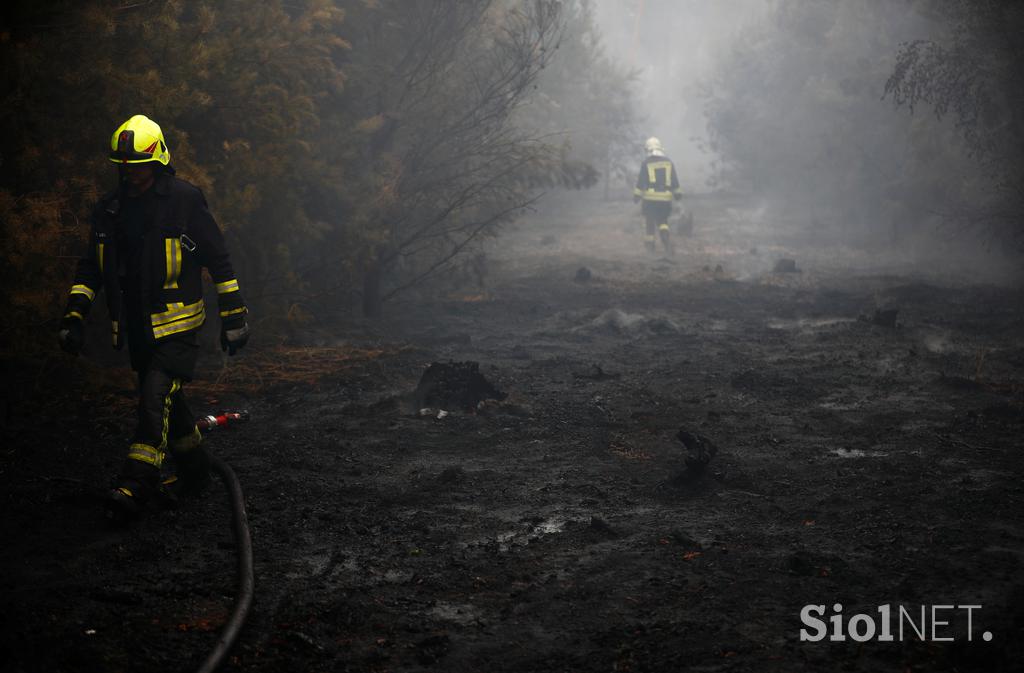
{"type": "Point", "coordinates": [599, 525]}
{"type": "Point", "coordinates": [700, 449]}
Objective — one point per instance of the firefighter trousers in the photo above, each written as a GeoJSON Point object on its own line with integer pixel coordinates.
{"type": "Point", "coordinates": [165, 423]}
{"type": "Point", "coordinates": [656, 214]}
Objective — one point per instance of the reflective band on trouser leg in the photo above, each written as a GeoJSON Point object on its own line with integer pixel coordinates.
{"type": "Point", "coordinates": [175, 387]}
{"type": "Point", "coordinates": [144, 453]}
{"type": "Point", "coordinates": [83, 290]}
{"type": "Point", "coordinates": [663, 226]}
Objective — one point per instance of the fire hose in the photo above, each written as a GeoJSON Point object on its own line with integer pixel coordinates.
{"type": "Point", "coordinates": [246, 582]}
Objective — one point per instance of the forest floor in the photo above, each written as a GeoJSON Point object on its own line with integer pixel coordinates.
{"type": "Point", "coordinates": [559, 529]}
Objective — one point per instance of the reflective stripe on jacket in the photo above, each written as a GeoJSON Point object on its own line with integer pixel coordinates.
{"type": "Point", "coordinates": [182, 239]}
{"type": "Point", "coordinates": [657, 180]}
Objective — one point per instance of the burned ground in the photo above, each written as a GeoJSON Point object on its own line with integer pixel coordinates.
{"type": "Point", "coordinates": [558, 529]}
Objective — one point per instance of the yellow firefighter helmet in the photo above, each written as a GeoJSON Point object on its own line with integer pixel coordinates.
{"type": "Point", "coordinates": [137, 141]}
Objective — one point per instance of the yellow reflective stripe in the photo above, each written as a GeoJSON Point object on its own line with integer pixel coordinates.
{"type": "Point", "coordinates": [175, 387]}
{"type": "Point", "coordinates": [75, 314]}
{"type": "Point", "coordinates": [663, 227]}
{"type": "Point", "coordinates": [99, 255]}
{"type": "Point", "coordinates": [652, 195]}
{"type": "Point", "coordinates": [172, 255]}
{"type": "Point", "coordinates": [83, 289]}
{"type": "Point", "coordinates": [182, 325]}
{"type": "Point", "coordinates": [115, 326]}
{"type": "Point", "coordinates": [176, 311]}
{"type": "Point", "coordinates": [126, 491]}
{"type": "Point", "coordinates": [227, 286]}
{"type": "Point", "coordinates": [145, 453]}
{"type": "Point", "coordinates": [224, 314]}
{"type": "Point", "coordinates": [638, 192]}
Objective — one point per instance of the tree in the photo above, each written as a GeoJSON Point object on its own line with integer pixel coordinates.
{"type": "Point", "coordinates": [972, 75]}
{"type": "Point", "coordinates": [434, 89]}
{"type": "Point", "coordinates": [795, 116]}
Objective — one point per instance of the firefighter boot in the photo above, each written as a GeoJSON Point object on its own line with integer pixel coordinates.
{"type": "Point", "coordinates": [138, 482]}
{"type": "Point", "coordinates": [649, 244]}
{"type": "Point", "coordinates": [666, 241]}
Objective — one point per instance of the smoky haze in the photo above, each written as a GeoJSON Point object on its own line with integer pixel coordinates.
{"type": "Point", "coordinates": [673, 47]}
{"type": "Point", "coordinates": [796, 106]}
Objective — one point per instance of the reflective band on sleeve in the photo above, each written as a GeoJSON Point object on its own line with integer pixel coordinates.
{"type": "Point", "coordinates": [146, 454]}
{"type": "Point", "coordinates": [227, 286]}
{"type": "Point", "coordinates": [74, 314]}
{"type": "Point", "coordinates": [83, 289]}
{"type": "Point", "coordinates": [172, 253]}
{"type": "Point", "coordinates": [225, 314]}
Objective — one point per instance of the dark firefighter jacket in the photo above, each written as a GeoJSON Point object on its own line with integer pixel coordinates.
{"type": "Point", "coordinates": [657, 180]}
{"type": "Point", "coordinates": [182, 239]}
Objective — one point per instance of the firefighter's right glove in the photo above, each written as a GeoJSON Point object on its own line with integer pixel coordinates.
{"type": "Point", "coordinates": [232, 340]}
{"type": "Point", "coordinates": [71, 335]}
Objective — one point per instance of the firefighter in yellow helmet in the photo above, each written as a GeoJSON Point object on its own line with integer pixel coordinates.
{"type": "Point", "coordinates": [657, 185]}
{"type": "Point", "coordinates": [150, 239]}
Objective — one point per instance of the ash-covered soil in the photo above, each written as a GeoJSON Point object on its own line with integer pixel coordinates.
{"type": "Point", "coordinates": [559, 528]}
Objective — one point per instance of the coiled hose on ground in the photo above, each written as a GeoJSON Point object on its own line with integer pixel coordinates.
{"type": "Point", "coordinates": [246, 581]}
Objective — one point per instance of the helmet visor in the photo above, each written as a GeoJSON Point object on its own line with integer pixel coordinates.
{"type": "Point", "coordinates": [124, 151]}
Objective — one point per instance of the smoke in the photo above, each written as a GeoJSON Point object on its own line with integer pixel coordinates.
{"type": "Point", "coordinates": [785, 104]}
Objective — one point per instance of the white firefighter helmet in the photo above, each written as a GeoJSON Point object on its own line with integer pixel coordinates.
{"type": "Point", "coordinates": [653, 147]}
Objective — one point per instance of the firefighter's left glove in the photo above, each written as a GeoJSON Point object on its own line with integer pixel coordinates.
{"type": "Point", "coordinates": [71, 335]}
{"type": "Point", "coordinates": [232, 340]}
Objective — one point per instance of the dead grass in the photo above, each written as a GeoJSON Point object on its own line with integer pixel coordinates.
{"type": "Point", "coordinates": [260, 370]}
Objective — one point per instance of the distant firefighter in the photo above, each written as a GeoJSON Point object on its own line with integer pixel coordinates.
{"type": "Point", "coordinates": [656, 185]}
{"type": "Point", "coordinates": [149, 241]}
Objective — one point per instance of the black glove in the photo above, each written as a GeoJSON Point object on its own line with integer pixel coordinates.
{"type": "Point", "coordinates": [71, 335]}
{"type": "Point", "coordinates": [232, 340]}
